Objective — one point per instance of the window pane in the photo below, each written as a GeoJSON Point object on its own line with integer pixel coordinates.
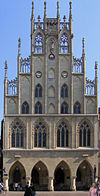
{"type": "Point", "coordinates": [84, 137]}
{"type": "Point", "coordinates": [35, 140]}
{"type": "Point", "coordinates": [88, 138]}
{"type": "Point", "coordinates": [80, 138]}
{"type": "Point", "coordinates": [66, 138]}
{"type": "Point", "coordinates": [44, 139]}
{"type": "Point", "coordinates": [62, 137]}
{"type": "Point", "coordinates": [13, 139]}
{"type": "Point", "coordinates": [22, 140]}
{"type": "Point", "coordinates": [39, 139]}
{"type": "Point", "coordinates": [17, 139]}
{"type": "Point", "coordinates": [58, 138]}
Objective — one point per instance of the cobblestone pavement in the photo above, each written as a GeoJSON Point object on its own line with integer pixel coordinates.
{"type": "Point", "coordinates": [60, 193]}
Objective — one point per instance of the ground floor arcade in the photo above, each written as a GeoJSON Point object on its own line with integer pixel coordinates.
{"type": "Point", "coordinates": [59, 171]}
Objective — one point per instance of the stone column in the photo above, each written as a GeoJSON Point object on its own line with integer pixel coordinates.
{"type": "Point", "coordinates": [51, 187]}
{"type": "Point", "coordinates": [73, 183]}
{"type": "Point", "coordinates": [5, 181]}
{"type": "Point", "coordinates": [28, 179]}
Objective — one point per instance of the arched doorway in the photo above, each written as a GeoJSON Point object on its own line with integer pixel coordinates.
{"type": "Point", "coordinates": [62, 181]}
{"type": "Point", "coordinates": [39, 176]}
{"type": "Point", "coordinates": [17, 174]}
{"type": "Point", "coordinates": [84, 176]}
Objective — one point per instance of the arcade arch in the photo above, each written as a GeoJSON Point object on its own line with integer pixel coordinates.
{"type": "Point", "coordinates": [62, 177]}
{"type": "Point", "coordinates": [39, 176]}
{"type": "Point", "coordinates": [17, 174]}
{"type": "Point", "coordinates": [84, 176]}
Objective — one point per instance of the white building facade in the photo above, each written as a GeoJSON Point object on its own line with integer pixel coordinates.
{"type": "Point", "coordinates": [50, 129]}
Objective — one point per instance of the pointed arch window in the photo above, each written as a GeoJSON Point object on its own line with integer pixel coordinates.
{"type": "Point", "coordinates": [64, 108]}
{"type": "Point", "coordinates": [38, 91]}
{"type": "Point", "coordinates": [64, 44]}
{"type": "Point", "coordinates": [38, 108]}
{"type": "Point", "coordinates": [38, 44]}
{"type": "Point", "coordinates": [64, 91]}
{"type": "Point", "coordinates": [84, 135]}
{"type": "Point", "coordinates": [62, 135]}
{"type": "Point", "coordinates": [17, 135]}
{"type": "Point", "coordinates": [25, 108]}
{"type": "Point", "coordinates": [40, 136]}
{"type": "Point", "coordinates": [77, 108]}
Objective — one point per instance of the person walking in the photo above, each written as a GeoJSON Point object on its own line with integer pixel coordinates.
{"type": "Point", "coordinates": [93, 190]}
{"type": "Point", "coordinates": [28, 190]}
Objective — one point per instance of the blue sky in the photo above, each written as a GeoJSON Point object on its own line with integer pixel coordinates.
{"type": "Point", "coordinates": [15, 22]}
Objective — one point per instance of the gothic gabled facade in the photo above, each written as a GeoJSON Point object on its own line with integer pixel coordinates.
{"type": "Point", "coordinates": [50, 129]}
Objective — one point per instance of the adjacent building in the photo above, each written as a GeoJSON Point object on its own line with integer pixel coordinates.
{"type": "Point", "coordinates": [50, 127]}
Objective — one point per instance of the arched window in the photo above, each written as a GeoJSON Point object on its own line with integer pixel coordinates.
{"type": "Point", "coordinates": [64, 91]}
{"type": "Point", "coordinates": [40, 136]}
{"type": "Point", "coordinates": [17, 135]}
{"type": "Point", "coordinates": [64, 108]}
{"type": "Point", "coordinates": [62, 135]}
{"type": "Point", "coordinates": [38, 108]}
{"type": "Point", "coordinates": [38, 44]}
{"type": "Point", "coordinates": [77, 108]}
{"type": "Point", "coordinates": [38, 91]}
{"type": "Point", "coordinates": [84, 135]}
{"type": "Point", "coordinates": [64, 44]}
{"type": "Point", "coordinates": [25, 108]}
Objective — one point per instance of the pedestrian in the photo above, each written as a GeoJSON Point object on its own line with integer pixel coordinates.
{"type": "Point", "coordinates": [33, 190]}
{"type": "Point", "coordinates": [28, 190]}
{"type": "Point", "coordinates": [93, 190]}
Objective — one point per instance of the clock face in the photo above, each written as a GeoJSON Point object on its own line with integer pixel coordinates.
{"type": "Point", "coordinates": [64, 74]}
{"type": "Point", "coordinates": [38, 74]}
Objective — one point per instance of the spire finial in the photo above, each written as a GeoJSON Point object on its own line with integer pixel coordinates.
{"type": "Point", "coordinates": [58, 15]}
{"type": "Point", "coordinates": [64, 18]}
{"type": "Point", "coordinates": [70, 4]}
{"type": "Point", "coordinates": [6, 68]}
{"type": "Point", "coordinates": [5, 64]}
{"type": "Point", "coordinates": [83, 46]}
{"type": "Point", "coordinates": [19, 45]}
{"type": "Point", "coordinates": [39, 18]}
{"type": "Point", "coordinates": [32, 9]}
{"type": "Point", "coordinates": [96, 65]}
{"type": "Point", "coordinates": [45, 12]}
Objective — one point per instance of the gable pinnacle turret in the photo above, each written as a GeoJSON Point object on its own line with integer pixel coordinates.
{"type": "Point", "coordinates": [32, 18]}
{"type": "Point", "coordinates": [70, 14]}
{"type": "Point", "coordinates": [83, 46]}
{"type": "Point", "coordinates": [58, 15]}
{"type": "Point", "coordinates": [6, 69]}
{"type": "Point", "coordinates": [19, 45]}
{"type": "Point", "coordinates": [45, 12]}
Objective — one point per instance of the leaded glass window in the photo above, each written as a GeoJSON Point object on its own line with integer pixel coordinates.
{"type": "Point", "coordinates": [25, 108]}
{"type": "Point", "coordinates": [84, 135]}
{"type": "Point", "coordinates": [38, 43]}
{"type": "Point", "coordinates": [40, 136]}
{"type": "Point", "coordinates": [17, 135]}
{"type": "Point", "coordinates": [38, 91]}
{"type": "Point", "coordinates": [64, 108]}
{"type": "Point", "coordinates": [64, 44]}
{"type": "Point", "coordinates": [38, 108]}
{"type": "Point", "coordinates": [62, 135]}
{"type": "Point", "coordinates": [77, 108]}
{"type": "Point", "coordinates": [64, 91]}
